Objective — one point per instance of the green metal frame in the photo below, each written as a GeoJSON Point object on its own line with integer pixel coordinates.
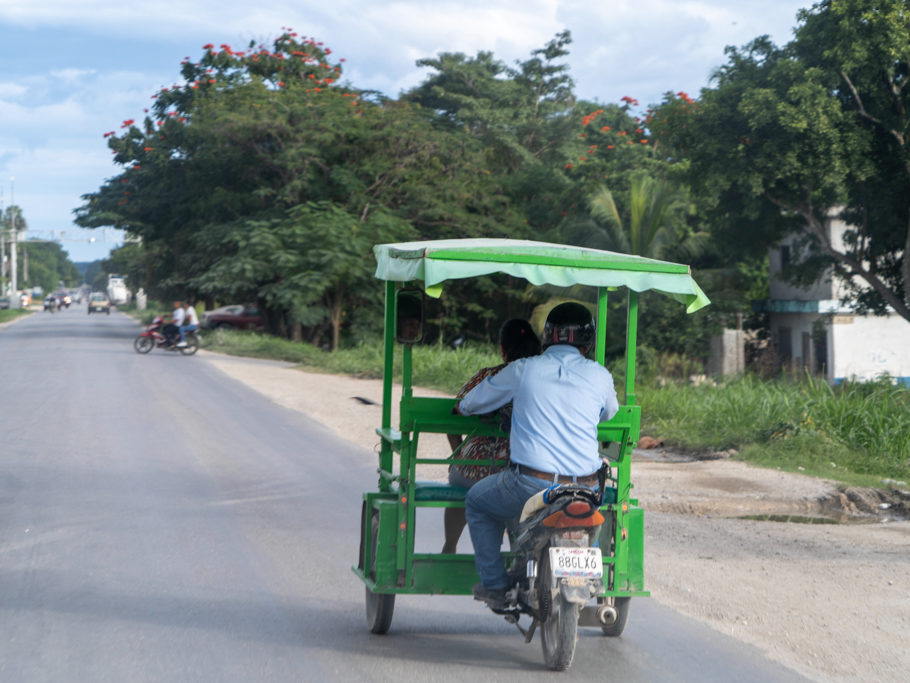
{"type": "Point", "coordinates": [398, 569]}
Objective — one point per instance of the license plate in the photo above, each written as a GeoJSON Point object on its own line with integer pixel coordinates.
{"type": "Point", "coordinates": [586, 562]}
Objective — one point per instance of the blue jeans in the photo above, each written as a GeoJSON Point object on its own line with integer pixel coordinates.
{"type": "Point", "coordinates": [187, 328]}
{"type": "Point", "coordinates": [490, 504]}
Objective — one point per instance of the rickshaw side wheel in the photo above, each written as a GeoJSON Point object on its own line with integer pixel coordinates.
{"type": "Point", "coordinates": [614, 630]}
{"type": "Point", "coordinates": [379, 606]}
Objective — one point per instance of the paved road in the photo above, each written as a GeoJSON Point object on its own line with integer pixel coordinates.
{"type": "Point", "coordinates": [161, 522]}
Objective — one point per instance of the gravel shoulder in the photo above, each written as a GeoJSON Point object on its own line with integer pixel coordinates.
{"type": "Point", "coordinates": [831, 601]}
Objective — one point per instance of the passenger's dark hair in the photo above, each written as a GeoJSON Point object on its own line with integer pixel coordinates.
{"type": "Point", "coordinates": [517, 338]}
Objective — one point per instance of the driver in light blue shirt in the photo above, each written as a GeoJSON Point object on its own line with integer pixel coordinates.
{"type": "Point", "coordinates": [558, 398]}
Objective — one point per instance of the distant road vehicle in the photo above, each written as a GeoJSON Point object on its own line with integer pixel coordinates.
{"type": "Point", "coordinates": [4, 302]}
{"type": "Point", "coordinates": [116, 290]}
{"type": "Point", "coordinates": [99, 303]}
{"type": "Point", "coordinates": [237, 316]}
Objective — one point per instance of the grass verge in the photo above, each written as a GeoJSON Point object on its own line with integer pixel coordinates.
{"type": "Point", "coordinates": [433, 367]}
{"type": "Point", "coordinates": [857, 432]}
{"type": "Point", "coordinates": [8, 314]}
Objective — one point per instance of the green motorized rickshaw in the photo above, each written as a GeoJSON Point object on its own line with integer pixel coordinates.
{"type": "Point", "coordinates": [388, 563]}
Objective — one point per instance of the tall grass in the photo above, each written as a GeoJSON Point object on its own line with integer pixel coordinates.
{"type": "Point", "coordinates": [862, 427]}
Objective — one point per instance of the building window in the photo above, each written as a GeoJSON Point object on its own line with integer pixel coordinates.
{"type": "Point", "coordinates": [784, 256]}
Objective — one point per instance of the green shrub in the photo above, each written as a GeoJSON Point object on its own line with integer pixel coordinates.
{"type": "Point", "coordinates": [862, 427]}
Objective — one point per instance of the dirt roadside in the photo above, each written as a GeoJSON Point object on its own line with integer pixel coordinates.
{"type": "Point", "coordinates": [831, 601]}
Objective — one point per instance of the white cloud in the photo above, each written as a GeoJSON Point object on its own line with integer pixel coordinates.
{"type": "Point", "coordinates": [72, 75]}
{"type": "Point", "coordinates": [11, 91]}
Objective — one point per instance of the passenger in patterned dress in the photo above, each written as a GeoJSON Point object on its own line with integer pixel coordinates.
{"type": "Point", "coordinates": [516, 340]}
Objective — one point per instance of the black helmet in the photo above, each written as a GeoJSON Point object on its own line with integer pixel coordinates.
{"type": "Point", "coordinates": [569, 323]}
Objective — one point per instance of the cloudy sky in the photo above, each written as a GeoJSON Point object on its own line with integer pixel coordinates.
{"type": "Point", "coordinates": [71, 70]}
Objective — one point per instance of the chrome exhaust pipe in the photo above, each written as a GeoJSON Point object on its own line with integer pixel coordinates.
{"type": "Point", "coordinates": [606, 615]}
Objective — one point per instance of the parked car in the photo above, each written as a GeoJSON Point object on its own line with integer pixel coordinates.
{"type": "Point", "coordinates": [233, 309]}
{"type": "Point", "coordinates": [237, 316]}
{"type": "Point", "coordinates": [99, 303]}
{"type": "Point", "coordinates": [4, 302]}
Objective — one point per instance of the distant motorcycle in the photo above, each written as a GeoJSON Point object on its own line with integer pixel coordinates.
{"type": "Point", "coordinates": [154, 336]}
{"type": "Point", "coordinates": [50, 305]}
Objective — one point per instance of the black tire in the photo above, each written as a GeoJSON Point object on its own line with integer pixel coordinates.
{"type": "Point", "coordinates": [192, 345]}
{"type": "Point", "coordinates": [614, 630]}
{"type": "Point", "coordinates": [379, 606]}
{"type": "Point", "coordinates": [143, 344]}
{"type": "Point", "coordinates": [559, 632]}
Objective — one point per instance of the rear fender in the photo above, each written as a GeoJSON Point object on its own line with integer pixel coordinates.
{"type": "Point", "coordinates": [579, 591]}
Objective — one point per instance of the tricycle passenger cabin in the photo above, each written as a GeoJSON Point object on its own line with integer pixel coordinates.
{"type": "Point", "coordinates": [388, 563]}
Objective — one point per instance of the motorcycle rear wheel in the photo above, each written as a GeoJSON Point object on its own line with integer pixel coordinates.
{"type": "Point", "coordinates": [192, 345]}
{"type": "Point", "coordinates": [380, 606]}
{"type": "Point", "coordinates": [559, 632]}
{"type": "Point", "coordinates": [143, 344]}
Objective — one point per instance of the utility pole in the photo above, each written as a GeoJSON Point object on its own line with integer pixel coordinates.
{"type": "Point", "coordinates": [3, 290]}
{"type": "Point", "coordinates": [14, 300]}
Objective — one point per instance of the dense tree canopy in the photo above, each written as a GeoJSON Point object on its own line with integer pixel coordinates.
{"type": "Point", "coordinates": [265, 176]}
{"type": "Point", "coordinates": [790, 137]}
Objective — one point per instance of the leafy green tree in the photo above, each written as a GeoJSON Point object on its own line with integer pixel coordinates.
{"type": "Point", "coordinates": [49, 266]}
{"type": "Point", "coordinates": [222, 164]}
{"type": "Point", "coordinates": [128, 261]}
{"type": "Point", "coordinates": [654, 224]}
{"type": "Point", "coordinates": [12, 214]}
{"type": "Point", "coordinates": [789, 137]}
{"type": "Point", "coordinates": [314, 263]}
{"type": "Point", "coordinates": [522, 118]}
{"type": "Point", "coordinates": [862, 49]}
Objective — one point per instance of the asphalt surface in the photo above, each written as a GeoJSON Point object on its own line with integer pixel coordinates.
{"type": "Point", "coordinates": [162, 522]}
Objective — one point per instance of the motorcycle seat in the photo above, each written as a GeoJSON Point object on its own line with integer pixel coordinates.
{"type": "Point", "coordinates": [536, 502]}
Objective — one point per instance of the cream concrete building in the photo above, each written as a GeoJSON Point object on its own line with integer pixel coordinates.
{"type": "Point", "coordinates": [811, 329]}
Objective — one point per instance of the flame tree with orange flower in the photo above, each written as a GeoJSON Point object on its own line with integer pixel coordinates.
{"type": "Point", "coordinates": [262, 177]}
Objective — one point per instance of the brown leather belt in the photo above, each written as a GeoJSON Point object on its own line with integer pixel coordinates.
{"type": "Point", "coordinates": [550, 476]}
